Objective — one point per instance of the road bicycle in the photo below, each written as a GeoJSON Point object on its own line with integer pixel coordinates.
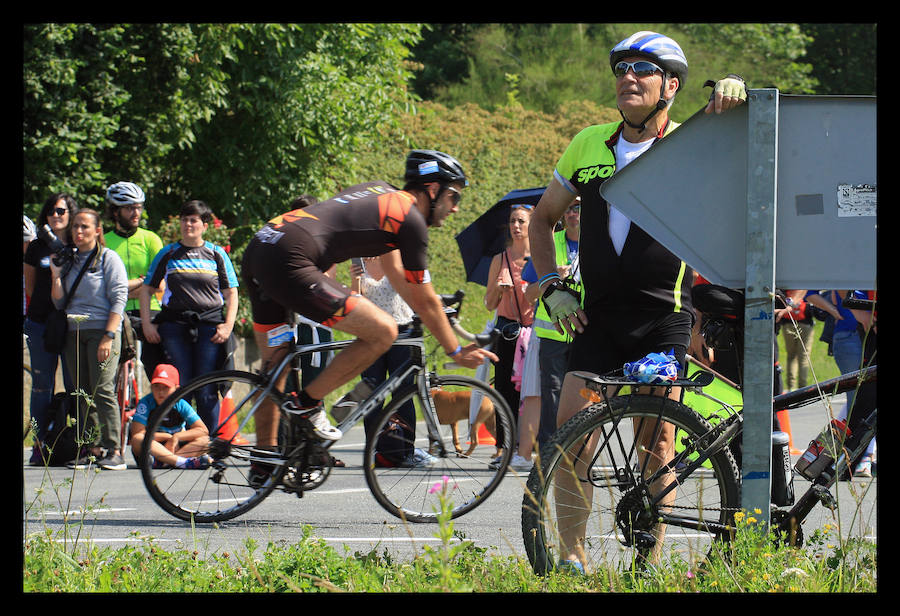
{"type": "Point", "coordinates": [609, 489]}
{"type": "Point", "coordinates": [302, 462]}
{"type": "Point", "coordinates": [128, 391]}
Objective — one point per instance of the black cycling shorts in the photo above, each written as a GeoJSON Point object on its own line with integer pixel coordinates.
{"type": "Point", "coordinates": [612, 338]}
{"type": "Point", "coordinates": [284, 276]}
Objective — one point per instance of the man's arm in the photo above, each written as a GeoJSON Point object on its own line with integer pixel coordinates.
{"type": "Point", "coordinates": [550, 208]}
{"type": "Point", "coordinates": [428, 306]}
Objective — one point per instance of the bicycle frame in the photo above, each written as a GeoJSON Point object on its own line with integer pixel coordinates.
{"type": "Point", "coordinates": [416, 365]}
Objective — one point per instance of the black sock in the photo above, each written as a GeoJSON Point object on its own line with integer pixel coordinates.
{"type": "Point", "coordinates": [305, 401]}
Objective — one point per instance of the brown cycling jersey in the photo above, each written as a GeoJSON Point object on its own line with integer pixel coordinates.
{"type": "Point", "coordinates": [365, 220]}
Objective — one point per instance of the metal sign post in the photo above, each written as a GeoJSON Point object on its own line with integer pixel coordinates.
{"type": "Point", "coordinates": [759, 302]}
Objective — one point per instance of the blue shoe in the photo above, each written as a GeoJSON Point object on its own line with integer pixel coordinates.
{"type": "Point", "coordinates": [570, 566]}
{"type": "Point", "coordinates": [419, 458]}
{"type": "Point", "coordinates": [200, 462]}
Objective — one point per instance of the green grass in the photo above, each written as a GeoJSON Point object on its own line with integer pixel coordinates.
{"type": "Point", "coordinates": [753, 563]}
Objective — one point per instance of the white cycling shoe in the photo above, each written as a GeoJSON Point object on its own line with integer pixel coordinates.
{"type": "Point", "coordinates": [323, 428]}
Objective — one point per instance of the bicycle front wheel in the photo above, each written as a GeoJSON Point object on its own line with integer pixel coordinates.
{"type": "Point", "coordinates": [409, 470]}
{"type": "Point", "coordinates": [225, 489]}
{"type": "Point", "coordinates": [598, 498]}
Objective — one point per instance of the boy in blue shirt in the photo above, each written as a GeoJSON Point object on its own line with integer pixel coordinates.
{"type": "Point", "coordinates": [177, 437]}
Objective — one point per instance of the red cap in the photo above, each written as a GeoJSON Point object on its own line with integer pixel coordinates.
{"type": "Point", "coordinates": [165, 373]}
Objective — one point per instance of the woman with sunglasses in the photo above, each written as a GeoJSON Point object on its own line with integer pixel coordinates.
{"type": "Point", "coordinates": [506, 294]}
{"type": "Point", "coordinates": [56, 213]}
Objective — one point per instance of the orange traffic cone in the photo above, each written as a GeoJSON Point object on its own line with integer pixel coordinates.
{"type": "Point", "coordinates": [229, 430]}
{"type": "Point", "coordinates": [784, 419]}
{"type": "Point", "coordinates": [484, 437]}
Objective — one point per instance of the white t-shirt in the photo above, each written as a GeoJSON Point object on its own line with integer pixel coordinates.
{"type": "Point", "coordinates": [619, 224]}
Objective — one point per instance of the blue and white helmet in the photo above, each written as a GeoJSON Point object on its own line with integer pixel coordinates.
{"type": "Point", "coordinates": [660, 49]}
{"type": "Point", "coordinates": [124, 193]}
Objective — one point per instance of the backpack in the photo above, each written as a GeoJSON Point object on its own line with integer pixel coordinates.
{"type": "Point", "coordinates": [60, 446]}
{"type": "Point", "coordinates": [394, 443]}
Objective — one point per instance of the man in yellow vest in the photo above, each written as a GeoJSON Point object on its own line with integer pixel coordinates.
{"type": "Point", "coordinates": [553, 351]}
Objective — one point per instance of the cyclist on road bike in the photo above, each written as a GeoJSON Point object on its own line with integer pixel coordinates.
{"type": "Point", "coordinates": [284, 265]}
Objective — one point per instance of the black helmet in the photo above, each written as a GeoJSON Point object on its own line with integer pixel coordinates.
{"type": "Point", "coordinates": [433, 166]}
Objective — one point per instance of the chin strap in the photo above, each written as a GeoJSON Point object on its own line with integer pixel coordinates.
{"type": "Point", "coordinates": [432, 204]}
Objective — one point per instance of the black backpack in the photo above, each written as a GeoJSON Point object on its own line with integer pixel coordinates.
{"type": "Point", "coordinates": [60, 444]}
{"type": "Point", "coordinates": [394, 443]}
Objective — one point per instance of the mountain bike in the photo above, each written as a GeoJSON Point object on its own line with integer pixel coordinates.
{"type": "Point", "coordinates": [603, 493]}
{"type": "Point", "coordinates": [301, 463]}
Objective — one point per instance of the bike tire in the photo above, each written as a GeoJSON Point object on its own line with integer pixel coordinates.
{"type": "Point", "coordinates": [127, 398]}
{"type": "Point", "coordinates": [464, 479]}
{"type": "Point", "coordinates": [223, 490]}
{"type": "Point", "coordinates": [605, 502]}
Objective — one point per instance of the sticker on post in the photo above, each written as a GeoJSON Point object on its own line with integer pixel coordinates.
{"type": "Point", "coordinates": [856, 199]}
{"type": "Point", "coordinates": [279, 335]}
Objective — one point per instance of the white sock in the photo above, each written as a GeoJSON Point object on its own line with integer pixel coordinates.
{"type": "Point", "coordinates": [179, 463]}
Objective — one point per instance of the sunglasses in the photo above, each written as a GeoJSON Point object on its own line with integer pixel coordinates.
{"type": "Point", "coordinates": [523, 206]}
{"type": "Point", "coordinates": [59, 211]}
{"type": "Point", "coordinates": [573, 208]}
{"type": "Point", "coordinates": [641, 68]}
{"type": "Point", "coordinates": [455, 195]}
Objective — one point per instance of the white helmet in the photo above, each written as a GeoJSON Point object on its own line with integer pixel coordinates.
{"type": "Point", "coordinates": [124, 193]}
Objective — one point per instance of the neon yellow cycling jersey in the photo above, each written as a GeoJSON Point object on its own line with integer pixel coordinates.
{"type": "Point", "coordinates": [137, 252]}
{"type": "Point", "coordinates": [646, 276]}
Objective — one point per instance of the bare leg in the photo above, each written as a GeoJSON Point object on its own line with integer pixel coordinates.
{"type": "Point", "coordinates": [573, 498]}
{"type": "Point", "coordinates": [529, 422]}
{"type": "Point", "coordinates": [659, 446]}
{"type": "Point", "coordinates": [374, 330]}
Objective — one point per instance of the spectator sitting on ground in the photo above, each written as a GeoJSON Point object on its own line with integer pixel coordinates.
{"type": "Point", "coordinates": [183, 434]}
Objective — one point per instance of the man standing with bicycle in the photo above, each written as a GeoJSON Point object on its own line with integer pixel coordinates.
{"type": "Point", "coordinates": [284, 265]}
{"type": "Point", "coordinates": [636, 292]}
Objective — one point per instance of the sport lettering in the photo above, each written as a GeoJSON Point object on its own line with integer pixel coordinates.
{"type": "Point", "coordinates": [598, 171]}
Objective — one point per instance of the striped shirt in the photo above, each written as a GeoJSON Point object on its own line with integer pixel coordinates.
{"type": "Point", "coordinates": [195, 276]}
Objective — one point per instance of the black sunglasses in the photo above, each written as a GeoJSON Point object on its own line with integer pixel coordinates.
{"type": "Point", "coordinates": [455, 195]}
{"type": "Point", "coordinates": [59, 211]}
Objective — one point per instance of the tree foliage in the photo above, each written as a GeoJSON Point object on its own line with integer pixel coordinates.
{"type": "Point", "coordinates": [554, 63]}
{"type": "Point", "coordinates": [244, 116]}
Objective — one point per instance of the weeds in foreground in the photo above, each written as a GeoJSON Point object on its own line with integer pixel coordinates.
{"type": "Point", "coordinates": [755, 562]}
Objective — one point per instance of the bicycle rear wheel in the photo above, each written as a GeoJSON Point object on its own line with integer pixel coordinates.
{"type": "Point", "coordinates": [127, 397]}
{"type": "Point", "coordinates": [585, 500]}
{"type": "Point", "coordinates": [406, 482]}
{"type": "Point", "coordinates": [223, 490]}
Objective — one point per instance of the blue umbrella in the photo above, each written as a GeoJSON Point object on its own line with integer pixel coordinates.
{"type": "Point", "coordinates": [487, 236]}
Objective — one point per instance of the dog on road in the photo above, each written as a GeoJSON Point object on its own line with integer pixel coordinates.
{"type": "Point", "coordinates": [453, 407]}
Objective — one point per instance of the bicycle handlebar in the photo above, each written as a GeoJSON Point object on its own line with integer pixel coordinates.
{"type": "Point", "coordinates": [452, 305]}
